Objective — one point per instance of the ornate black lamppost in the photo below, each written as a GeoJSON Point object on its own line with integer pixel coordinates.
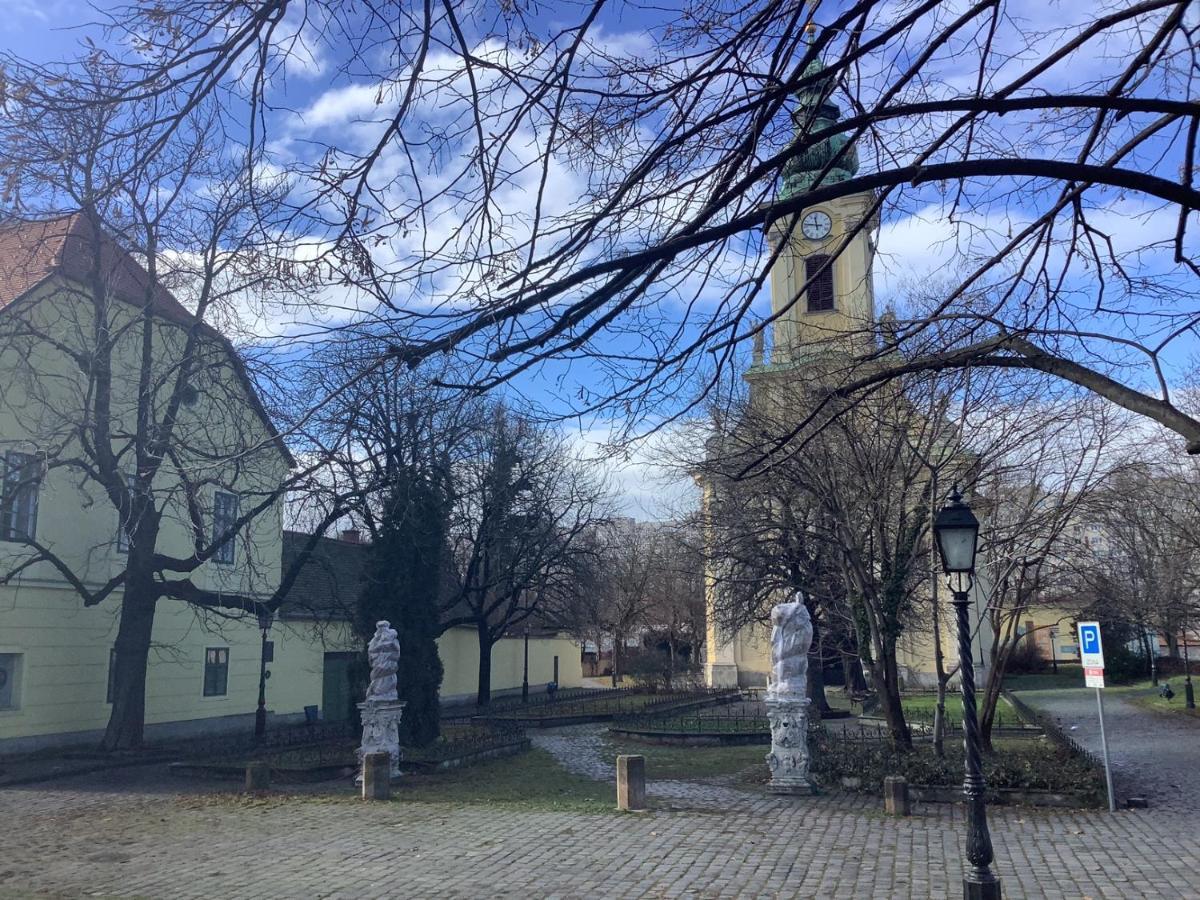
{"type": "Point", "coordinates": [260, 714]}
{"type": "Point", "coordinates": [957, 533]}
{"type": "Point", "coordinates": [525, 672]}
{"type": "Point", "coordinates": [1189, 696]}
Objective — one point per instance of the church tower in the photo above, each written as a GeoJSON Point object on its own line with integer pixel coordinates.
{"type": "Point", "coordinates": [823, 312]}
{"type": "Point", "coordinates": [822, 298]}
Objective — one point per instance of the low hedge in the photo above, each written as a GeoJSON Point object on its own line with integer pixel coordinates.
{"type": "Point", "coordinates": [1017, 765]}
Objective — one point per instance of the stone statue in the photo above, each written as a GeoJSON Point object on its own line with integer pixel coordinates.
{"type": "Point", "coordinates": [384, 654]}
{"type": "Point", "coordinates": [787, 698]}
{"type": "Point", "coordinates": [791, 637]}
{"type": "Point", "coordinates": [382, 710]}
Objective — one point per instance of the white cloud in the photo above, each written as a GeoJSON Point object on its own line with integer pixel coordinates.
{"type": "Point", "coordinates": [645, 484]}
{"type": "Point", "coordinates": [341, 105]}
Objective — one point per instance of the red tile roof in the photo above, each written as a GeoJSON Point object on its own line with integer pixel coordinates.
{"type": "Point", "coordinates": [32, 251]}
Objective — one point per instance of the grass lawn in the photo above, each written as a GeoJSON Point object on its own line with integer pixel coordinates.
{"type": "Point", "coordinates": [532, 780]}
{"type": "Point", "coordinates": [689, 762]}
{"type": "Point", "coordinates": [1067, 677]}
{"type": "Point", "coordinates": [926, 704]}
{"type": "Point", "coordinates": [1145, 695]}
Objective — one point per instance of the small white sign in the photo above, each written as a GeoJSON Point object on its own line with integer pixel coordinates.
{"type": "Point", "coordinates": [1091, 653]}
{"type": "Point", "coordinates": [1093, 678]}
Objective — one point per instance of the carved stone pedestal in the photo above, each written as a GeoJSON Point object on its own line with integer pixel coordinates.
{"type": "Point", "coordinates": [381, 731]}
{"type": "Point", "coordinates": [788, 759]}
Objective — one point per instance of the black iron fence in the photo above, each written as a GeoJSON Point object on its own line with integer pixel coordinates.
{"type": "Point", "coordinates": [335, 744]}
{"type": "Point", "coordinates": [1050, 727]}
{"type": "Point", "coordinates": [536, 701]}
{"type": "Point", "coordinates": [924, 719]}
{"type": "Point", "coordinates": [465, 740]}
{"type": "Point", "coordinates": [695, 723]}
{"type": "Point", "coordinates": [617, 704]}
{"type": "Point", "coordinates": [277, 738]}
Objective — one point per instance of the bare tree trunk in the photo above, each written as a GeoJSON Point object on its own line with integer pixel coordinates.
{"type": "Point", "coordinates": [887, 685]}
{"type": "Point", "coordinates": [816, 670]}
{"type": "Point", "coordinates": [939, 659]}
{"type": "Point", "coordinates": [1150, 652]}
{"type": "Point", "coordinates": [483, 695]}
{"type": "Point", "coordinates": [990, 701]}
{"type": "Point", "coordinates": [943, 681]}
{"type": "Point", "coordinates": [856, 679]}
{"type": "Point", "coordinates": [671, 657]}
{"type": "Point", "coordinates": [126, 721]}
{"type": "Point", "coordinates": [1172, 643]}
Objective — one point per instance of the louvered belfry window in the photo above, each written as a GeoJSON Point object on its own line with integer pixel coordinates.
{"type": "Point", "coordinates": [818, 273]}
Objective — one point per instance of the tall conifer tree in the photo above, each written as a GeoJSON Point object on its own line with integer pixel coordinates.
{"type": "Point", "coordinates": [403, 585]}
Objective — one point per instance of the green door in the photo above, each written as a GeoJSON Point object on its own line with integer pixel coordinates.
{"type": "Point", "coordinates": [335, 687]}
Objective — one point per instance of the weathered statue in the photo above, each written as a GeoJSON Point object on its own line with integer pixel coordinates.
{"type": "Point", "coordinates": [384, 654]}
{"type": "Point", "coordinates": [791, 638]}
{"type": "Point", "coordinates": [787, 698]}
{"type": "Point", "coordinates": [382, 710]}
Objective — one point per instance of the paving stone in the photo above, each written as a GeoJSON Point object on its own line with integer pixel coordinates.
{"type": "Point", "coordinates": [132, 835]}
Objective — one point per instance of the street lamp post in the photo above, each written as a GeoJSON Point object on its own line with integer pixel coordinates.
{"type": "Point", "coordinates": [525, 673]}
{"type": "Point", "coordinates": [957, 532]}
{"type": "Point", "coordinates": [260, 714]}
{"type": "Point", "coordinates": [1053, 654]}
{"type": "Point", "coordinates": [1189, 698]}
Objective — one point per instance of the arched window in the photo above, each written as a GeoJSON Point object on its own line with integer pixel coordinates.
{"type": "Point", "coordinates": [818, 273]}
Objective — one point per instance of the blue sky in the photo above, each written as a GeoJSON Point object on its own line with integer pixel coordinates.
{"type": "Point", "coordinates": [323, 99]}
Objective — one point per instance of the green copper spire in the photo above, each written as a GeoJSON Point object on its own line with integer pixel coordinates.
{"type": "Point", "coordinates": [814, 111]}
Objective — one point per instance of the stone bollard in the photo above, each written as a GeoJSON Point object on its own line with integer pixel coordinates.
{"type": "Point", "coordinates": [895, 796]}
{"type": "Point", "coordinates": [377, 776]}
{"type": "Point", "coordinates": [631, 783]}
{"type": "Point", "coordinates": [258, 776]}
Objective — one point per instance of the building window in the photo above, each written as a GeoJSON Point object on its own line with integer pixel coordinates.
{"type": "Point", "coordinates": [18, 507]}
{"type": "Point", "coordinates": [112, 675]}
{"type": "Point", "coordinates": [10, 673]}
{"type": "Point", "coordinates": [225, 513]}
{"type": "Point", "coordinates": [124, 530]}
{"type": "Point", "coordinates": [818, 274]}
{"type": "Point", "coordinates": [216, 671]}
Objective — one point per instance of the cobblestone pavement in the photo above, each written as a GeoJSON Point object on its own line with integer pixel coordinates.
{"type": "Point", "coordinates": [1153, 755]}
{"type": "Point", "coordinates": [138, 838]}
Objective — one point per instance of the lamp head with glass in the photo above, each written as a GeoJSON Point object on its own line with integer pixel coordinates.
{"type": "Point", "coordinates": [957, 533]}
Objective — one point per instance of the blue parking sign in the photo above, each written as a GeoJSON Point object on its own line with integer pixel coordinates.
{"type": "Point", "coordinates": [1091, 652]}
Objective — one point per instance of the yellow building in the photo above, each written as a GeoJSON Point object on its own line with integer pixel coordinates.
{"type": "Point", "coordinates": [60, 538]}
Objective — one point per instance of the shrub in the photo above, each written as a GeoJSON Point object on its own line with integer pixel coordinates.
{"type": "Point", "coordinates": [1122, 664]}
{"type": "Point", "coordinates": [652, 667]}
{"type": "Point", "coordinates": [1026, 659]}
{"type": "Point", "coordinates": [1019, 764]}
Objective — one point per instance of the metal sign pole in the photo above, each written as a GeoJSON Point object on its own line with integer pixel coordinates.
{"type": "Point", "coordinates": [1112, 800]}
{"type": "Point", "coordinates": [1091, 655]}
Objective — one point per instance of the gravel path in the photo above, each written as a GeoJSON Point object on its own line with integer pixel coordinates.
{"type": "Point", "coordinates": [1153, 755]}
{"type": "Point", "coordinates": [581, 750]}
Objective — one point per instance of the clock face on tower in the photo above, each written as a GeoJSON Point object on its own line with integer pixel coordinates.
{"type": "Point", "coordinates": [815, 226]}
